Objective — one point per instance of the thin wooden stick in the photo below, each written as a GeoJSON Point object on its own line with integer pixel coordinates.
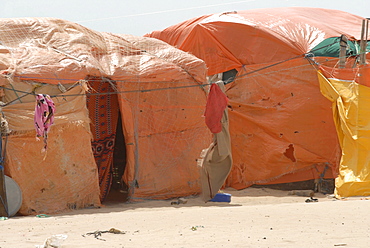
{"type": "Point", "coordinates": [342, 51]}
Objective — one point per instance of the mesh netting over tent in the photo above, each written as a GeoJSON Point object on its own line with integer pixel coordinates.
{"type": "Point", "coordinates": [128, 115]}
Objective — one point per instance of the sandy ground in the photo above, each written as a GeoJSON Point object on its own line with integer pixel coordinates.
{"type": "Point", "coordinates": [256, 217]}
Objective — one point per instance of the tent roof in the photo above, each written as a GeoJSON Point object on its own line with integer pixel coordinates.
{"type": "Point", "coordinates": [51, 50]}
{"type": "Point", "coordinates": [233, 39]}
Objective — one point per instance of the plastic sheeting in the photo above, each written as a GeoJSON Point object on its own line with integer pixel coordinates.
{"type": "Point", "coordinates": [280, 125]}
{"type": "Point", "coordinates": [161, 101]}
{"type": "Point", "coordinates": [234, 39]}
{"type": "Point", "coordinates": [67, 178]}
{"type": "Point", "coordinates": [351, 115]}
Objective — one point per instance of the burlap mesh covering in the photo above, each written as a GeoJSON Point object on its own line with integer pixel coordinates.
{"type": "Point", "coordinates": [160, 99]}
{"type": "Point", "coordinates": [67, 178]}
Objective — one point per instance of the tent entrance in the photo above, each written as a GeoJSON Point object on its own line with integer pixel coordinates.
{"type": "Point", "coordinates": [108, 143]}
{"type": "Point", "coordinates": [119, 190]}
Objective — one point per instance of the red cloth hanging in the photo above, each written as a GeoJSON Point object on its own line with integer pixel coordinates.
{"type": "Point", "coordinates": [216, 104]}
{"type": "Point", "coordinates": [104, 112]}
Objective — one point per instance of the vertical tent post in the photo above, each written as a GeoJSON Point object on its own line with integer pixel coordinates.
{"type": "Point", "coordinates": [363, 42]}
{"type": "Point", "coordinates": [342, 51]}
{"type": "Point", "coordinates": [3, 200]}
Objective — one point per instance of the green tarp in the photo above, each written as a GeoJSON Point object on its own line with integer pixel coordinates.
{"type": "Point", "coordinates": [330, 48]}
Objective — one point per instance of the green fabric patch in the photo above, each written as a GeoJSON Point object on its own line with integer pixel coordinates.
{"type": "Point", "coordinates": [330, 47]}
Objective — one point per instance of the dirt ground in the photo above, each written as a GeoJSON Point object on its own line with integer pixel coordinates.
{"type": "Point", "coordinates": [255, 217]}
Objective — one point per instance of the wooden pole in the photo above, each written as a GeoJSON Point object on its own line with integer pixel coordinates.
{"type": "Point", "coordinates": [3, 200]}
{"type": "Point", "coordinates": [363, 42]}
{"type": "Point", "coordinates": [342, 51]}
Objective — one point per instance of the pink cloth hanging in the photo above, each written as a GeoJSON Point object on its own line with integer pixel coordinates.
{"type": "Point", "coordinates": [44, 116]}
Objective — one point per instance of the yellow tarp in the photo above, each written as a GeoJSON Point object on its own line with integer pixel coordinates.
{"type": "Point", "coordinates": [351, 113]}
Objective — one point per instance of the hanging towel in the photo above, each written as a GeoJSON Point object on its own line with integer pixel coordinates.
{"type": "Point", "coordinates": [216, 104]}
{"type": "Point", "coordinates": [44, 117]}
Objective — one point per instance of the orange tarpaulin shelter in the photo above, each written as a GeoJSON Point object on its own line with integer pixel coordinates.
{"type": "Point", "coordinates": [99, 82]}
{"type": "Point", "coordinates": [281, 126]}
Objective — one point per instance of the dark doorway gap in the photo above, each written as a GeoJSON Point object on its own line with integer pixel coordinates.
{"type": "Point", "coordinates": [119, 190]}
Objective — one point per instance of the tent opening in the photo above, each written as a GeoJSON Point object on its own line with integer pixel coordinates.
{"type": "Point", "coordinates": [105, 121]}
{"type": "Point", "coordinates": [229, 76]}
{"type": "Point", "coordinates": [119, 189]}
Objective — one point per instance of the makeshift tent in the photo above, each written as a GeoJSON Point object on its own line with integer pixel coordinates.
{"type": "Point", "coordinates": [96, 80]}
{"type": "Point", "coordinates": [281, 126]}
